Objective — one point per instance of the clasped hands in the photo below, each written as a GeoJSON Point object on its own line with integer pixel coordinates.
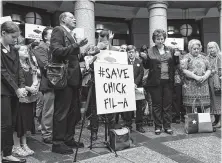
{"type": "Point", "coordinates": [22, 92]}
{"type": "Point", "coordinates": [200, 79]}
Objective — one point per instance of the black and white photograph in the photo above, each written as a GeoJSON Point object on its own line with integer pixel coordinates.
{"type": "Point", "coordinates": [100, 81]}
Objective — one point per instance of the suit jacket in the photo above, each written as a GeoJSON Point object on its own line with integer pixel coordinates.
{"type": "Point", "coordinates": [41, 53]}
{"type": "Point", "coordinates": [12, 76]}
{"type": "Point", "coordinates": [137, 71]}
{"type": "Point", "coordinates": [153, 63]}
{"type": "Point", "coordinates": [63, 47]}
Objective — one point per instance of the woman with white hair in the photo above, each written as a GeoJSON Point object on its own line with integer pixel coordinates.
{"type": "Point", "coordinates": [196, 69]}
{"type": "Point", "coordinates": [214, 57]}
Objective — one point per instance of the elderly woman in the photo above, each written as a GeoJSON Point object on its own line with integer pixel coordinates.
{"type": "Point", "coordinates": [214, 57]}
{"type": "Point", "coordinates": [196, 69]}
{"type": "Point", "coordinates": [161, 61]}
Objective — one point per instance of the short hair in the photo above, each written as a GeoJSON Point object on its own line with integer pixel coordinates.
{"type": "Point", "coordinates": [9, 27]}
{"type": "Point", "coordinates": [45, 32]}
{"type": "Point", "coordinates": [130, 47]}
{"type": "Point", "coordinates": [194, 42]}
{"type": "Point", "coordinates": [62, 16]}
{"type": "Point", "coordinates": [123, 45]}
{"type": "Point", "coordinates": [158, 33]}
{"type": "Point", "coordinates": [104, 33]}
{"type": "Point", "coordinates": [215, 45]}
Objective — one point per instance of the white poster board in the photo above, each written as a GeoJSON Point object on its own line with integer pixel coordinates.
{"type": "Point", "coordinates": [175, 43]}
{"type": "Point", "coordinates": [115, 89]}
{"type": "Point", "coordinates": [4, 19]}
{"type": "Point", "coordinates": [109, 56]}
{"type": "Point", "coordinates": [33, 31]}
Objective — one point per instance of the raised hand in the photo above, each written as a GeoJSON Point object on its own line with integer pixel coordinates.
{"type": "Point", "coordinates": [82, 42]}
{"type": "Point", "coordinates": [111, 35]}
{"type": "Point", "coordinates": [143, 55]}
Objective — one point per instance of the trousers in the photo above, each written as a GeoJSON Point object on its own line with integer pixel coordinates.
{"type": "Point", "coordinates": [161, 96]}
{"type": "Point", "coordinates": [66, 114]}
{"type": "Point", "coordinates": [9, 107]}
{"type": "Point", "coordinates": [47, 114]}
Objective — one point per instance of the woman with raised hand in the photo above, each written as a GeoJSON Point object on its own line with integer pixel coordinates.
{"type": "Point", "coordinates": [12, 88]}
{"type": "Point", "coordinates": [161, 61]}
{"type": "Point", "coordinates": [214, 57]}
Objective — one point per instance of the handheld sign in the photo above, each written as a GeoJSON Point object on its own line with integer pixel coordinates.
{"type": "Point", "coordinates": [175, 43]}
{"type": "Point", "coordinates": [115, 90]}
{"type": "Point", "coordinates": [4, 19]}
{"type": "Point", "coordinates": [33, 31]}
{"type": "Point", "coordinates": [108, 56]}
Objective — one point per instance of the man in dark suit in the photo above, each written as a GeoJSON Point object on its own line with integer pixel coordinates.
{"type": "Point", "coordinates": [138, 76]}
{"type": "Point", "coordinates": [65, 47]}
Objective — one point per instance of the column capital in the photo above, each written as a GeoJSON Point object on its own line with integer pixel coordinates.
{"type": "Point", "coordinates": [219, 6]}
{"type": "Point", "coordinates": [157, 4]}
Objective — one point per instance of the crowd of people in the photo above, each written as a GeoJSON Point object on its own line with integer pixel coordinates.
{"type": "Point", "coordinates": [173, 81]}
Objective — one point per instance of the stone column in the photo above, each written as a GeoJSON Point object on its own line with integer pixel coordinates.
{"type": "Point", "coordinates": [157, 17]}
{"type": "Point", "coordinates": [85, 18]}
{"type": "Point", "coordinates": [220, 25]}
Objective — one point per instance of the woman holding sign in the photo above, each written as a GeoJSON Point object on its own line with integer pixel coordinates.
{"type": "Point", "coordinates": [161, 61]}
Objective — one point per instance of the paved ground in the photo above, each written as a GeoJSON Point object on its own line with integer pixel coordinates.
{"type": "Point", "coordinates": [146, 148]}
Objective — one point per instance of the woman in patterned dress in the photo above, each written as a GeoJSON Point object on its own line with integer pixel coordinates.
{"type": "Point", "coordinates": [196, 69]}
{"type": "Point", "coordinates": [214, 57]}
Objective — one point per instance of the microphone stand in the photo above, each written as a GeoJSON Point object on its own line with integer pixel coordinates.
{"type": "Point", "coordinates": [107, 144]}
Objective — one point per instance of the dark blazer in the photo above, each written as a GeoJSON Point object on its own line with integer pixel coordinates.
{"type": "Point", "coordinates": [63, 47]}
{"type": "Point", "coordinates": [41, 53]}
{"type": "Point", "coordinates": [153, 63]}
{"type": "Point", "coordinates": [12, 76]}
{"type": "Point", "coordinates": [137, 71]}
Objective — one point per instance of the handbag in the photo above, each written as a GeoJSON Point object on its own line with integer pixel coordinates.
{"type": "Point", "coordinates": [198, 122]}
{"type": "Point", "coordinates": [120, 139]}
{"type": "Point", "coordinates": [57, 74]}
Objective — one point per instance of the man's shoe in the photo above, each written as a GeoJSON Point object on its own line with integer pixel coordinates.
{"type": "Point", "coordinates": [140, 129]}
{"type": "Point", "coordinates": [74, 144]}
{"type": "Point", "coordinates": [47, 140]}
{"type": "Point", "coordinates": [62, 149]}
{"type": "Point", "coordinates": [168, 131]}
{"type": "Point", "coordinates": [94, 136]}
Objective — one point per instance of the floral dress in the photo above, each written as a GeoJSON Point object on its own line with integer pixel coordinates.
{"type": "Point", "coordinates": [191, 88]}
{"type": "Point", "coordinates": [215, 83]}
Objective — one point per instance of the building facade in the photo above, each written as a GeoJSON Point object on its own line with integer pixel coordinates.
{"type": "Point", "coordinates": [133, 22]}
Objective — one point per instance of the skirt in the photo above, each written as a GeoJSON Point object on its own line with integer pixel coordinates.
{"type": "Point", "coordinates": [25, 118]}
{"type": "Point", "coordinates": [193, 90]}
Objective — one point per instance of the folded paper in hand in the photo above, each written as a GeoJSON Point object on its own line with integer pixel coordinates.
{"type": "Point", "coordinates": [139, 94]}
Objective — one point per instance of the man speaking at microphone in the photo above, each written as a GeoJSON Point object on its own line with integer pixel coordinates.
{"type": "Point", "coordinates": [63, 47]}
